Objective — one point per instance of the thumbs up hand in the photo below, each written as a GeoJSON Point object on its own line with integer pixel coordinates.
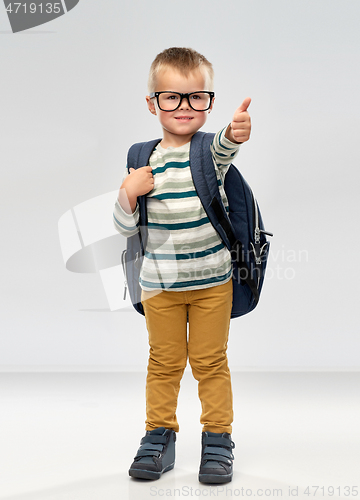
{"type": "Point", "coordinates": [239, 129]}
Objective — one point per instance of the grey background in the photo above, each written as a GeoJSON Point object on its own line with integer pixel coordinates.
{"type": "Point", "coordinates": [72, 102]}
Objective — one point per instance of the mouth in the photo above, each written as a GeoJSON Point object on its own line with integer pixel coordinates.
{"type": "Point", "coordinates": [183, 118]}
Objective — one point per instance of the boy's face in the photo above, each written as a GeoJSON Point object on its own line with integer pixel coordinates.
{"type": "Point", "coordinates": [179, 125]}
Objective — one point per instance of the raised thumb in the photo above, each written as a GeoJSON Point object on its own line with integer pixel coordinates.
{"type": "Point", "coordinates": [245, 104]}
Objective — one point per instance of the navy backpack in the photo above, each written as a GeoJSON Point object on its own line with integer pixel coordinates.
{"type": "Point", "coordinates": [242, 230]}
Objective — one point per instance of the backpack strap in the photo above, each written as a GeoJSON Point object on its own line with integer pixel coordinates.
{"type": "Point", "coordinates": [139, 153]}
{"type": "Point", "coordinates": [206, 185]}
{"type": "Point", "coordinates": [138, 156]}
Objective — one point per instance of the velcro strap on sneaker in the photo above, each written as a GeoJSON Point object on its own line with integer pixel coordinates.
{"type": "Point", "coordinates": [147, 453]}
{"type": "Point", "coordinates": [218, 451]}
{"type": "Point", "coordinates": [220, 441]}
{"type": "Point", "coordinates": [217, 458]}
{"type": "Point", "coordinates": [151, 446]}
{"type": "Point", "coordinates": [157, 439]}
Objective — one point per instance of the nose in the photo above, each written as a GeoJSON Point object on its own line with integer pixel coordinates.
{"type": "Point", "coordinates": [184, 104]}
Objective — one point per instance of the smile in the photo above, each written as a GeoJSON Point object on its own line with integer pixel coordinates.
{"type": "Point", "coordinates": [184, 118]}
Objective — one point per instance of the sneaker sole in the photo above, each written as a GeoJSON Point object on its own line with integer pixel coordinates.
{"type": "Point", "coordinates": [215, 478]}
{"type": "Point", "coordinates": [146, 474]}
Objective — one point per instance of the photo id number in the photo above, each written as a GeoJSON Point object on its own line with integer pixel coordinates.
{"type": "Point", "coordinates": [32, 8]}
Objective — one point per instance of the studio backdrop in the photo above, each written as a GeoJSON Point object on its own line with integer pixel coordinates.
{"type": "Point", "coordinates": [73, 85]}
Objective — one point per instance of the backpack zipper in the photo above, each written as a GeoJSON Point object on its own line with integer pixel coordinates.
{"type": "Point", "coordinates": [257, 232]}
{"type": "Point", "coordinates": [123, 262]}
{"type": "Point", "coordinates": [257, 250]}
{"type": "Point", "coordinates": [125, 274]}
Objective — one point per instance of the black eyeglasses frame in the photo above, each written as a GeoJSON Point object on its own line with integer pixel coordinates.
{"type": "Point", "coordinates": [182, 96]}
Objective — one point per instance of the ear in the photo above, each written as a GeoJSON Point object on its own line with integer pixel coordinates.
{"type": "Point", "coordinates": [212, 105]}
{"type": "Point", "coordinates": [151, 105]}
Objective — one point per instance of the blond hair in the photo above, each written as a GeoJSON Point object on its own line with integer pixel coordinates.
{"type": "Point", "coordinates": [183, 60]}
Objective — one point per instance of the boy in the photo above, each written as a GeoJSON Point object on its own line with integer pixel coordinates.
{"type": "Point", "coordinates": [189, 281]}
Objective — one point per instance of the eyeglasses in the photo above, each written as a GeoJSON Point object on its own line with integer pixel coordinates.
{"type": "Point", "coordinates": [170, 101]}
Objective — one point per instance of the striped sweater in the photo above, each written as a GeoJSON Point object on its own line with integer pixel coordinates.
{"type": "Point", "coordinates": [184, 251]}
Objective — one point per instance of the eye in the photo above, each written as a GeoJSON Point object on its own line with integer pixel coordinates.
{"type": "Point", "coordinates": [198, 97]}
{"type": "Point", "coordinates": [171, 97]}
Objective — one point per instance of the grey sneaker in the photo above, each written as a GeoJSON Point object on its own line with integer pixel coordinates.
{"type": "Point", "coordinates": [155, 455]}
{"type": "Point", "coordinates": [216, 464]}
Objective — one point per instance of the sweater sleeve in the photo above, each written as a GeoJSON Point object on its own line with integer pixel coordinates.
{"type": "Point", "coordinates": [126, 224]}
{"type": "Point", "coordinates": [223, 151]}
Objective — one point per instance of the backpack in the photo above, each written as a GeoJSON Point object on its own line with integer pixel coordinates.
{"type": "Point", "coordinates": [242, 230]}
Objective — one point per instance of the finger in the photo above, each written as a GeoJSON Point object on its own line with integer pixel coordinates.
{"type": "Point", "coordinates": [241, 119]}
{"type": "Point", "coordinates": [131, 170]}
{"type": "Point", "coordinates": [241, 137]}
{"type": "Point", "coordinates": [244, 106]}
{"type": "Point", "coordinates": [240, 127]}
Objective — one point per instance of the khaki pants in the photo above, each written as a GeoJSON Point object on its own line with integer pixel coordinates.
{"type": "Point", "coordinates": [209, 312]}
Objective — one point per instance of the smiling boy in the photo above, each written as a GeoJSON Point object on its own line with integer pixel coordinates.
{"type": "Point", "coordinates": [189, 281]}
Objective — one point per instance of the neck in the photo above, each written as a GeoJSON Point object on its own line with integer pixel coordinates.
{"type": "Point", "coordinates": [175, 141]}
